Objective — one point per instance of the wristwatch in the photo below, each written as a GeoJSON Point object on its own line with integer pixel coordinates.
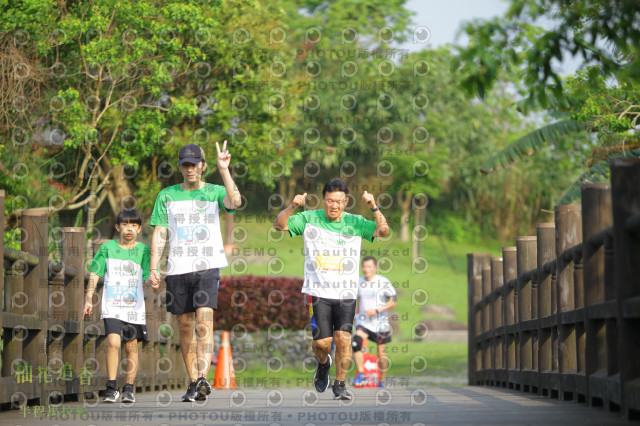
{"type": "Point", "coordinates": [376, 209]}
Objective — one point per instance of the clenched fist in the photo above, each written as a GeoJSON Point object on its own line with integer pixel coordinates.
{"type": "Point", "coordinates": [298, 200]}
{"type": "Point", "coordinates": [368, 198]}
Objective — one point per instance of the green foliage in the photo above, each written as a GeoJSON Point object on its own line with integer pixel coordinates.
{"type": "Point", "coordinates": [610, 110]}
{"type": "Point", "coordinates": [457, 229]}
{"type": "Point", "coordinates": [530, 143]}
{"type": "Point", "coordinates": [602, 98]}
{"type": "Point", "coordinates": [599, 172]}
{"type": "Point", "coordinates": [602, 32]}
{"type": "Point", "coordinates": [142, 79]}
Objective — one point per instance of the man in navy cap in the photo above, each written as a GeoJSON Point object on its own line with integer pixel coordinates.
{"type": "Point", "coordinates": [189, 213]}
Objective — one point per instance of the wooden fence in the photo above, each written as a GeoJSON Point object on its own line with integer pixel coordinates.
{"type": "Point", "coordinates": [559, 314]}
{"type": "Point", "coordinates": [49, 351]}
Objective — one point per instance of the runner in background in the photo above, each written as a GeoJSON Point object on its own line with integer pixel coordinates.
{"type": "Point", "coordinates": [376, 296]}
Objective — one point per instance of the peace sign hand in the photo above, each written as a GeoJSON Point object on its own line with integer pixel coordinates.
{"type": "Point", "coordinates": [224, 157]}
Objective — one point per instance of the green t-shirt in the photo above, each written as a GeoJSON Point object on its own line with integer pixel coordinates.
{"type": "Point", "coordinates": [332, 252]}
{"type": "Point", "coordinates": [124, 271]}
{"type": "Point", "coordinates": [192, 219]}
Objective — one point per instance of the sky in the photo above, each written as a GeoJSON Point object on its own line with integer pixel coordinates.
{"type": "Point", "coordinates": [444, 18]}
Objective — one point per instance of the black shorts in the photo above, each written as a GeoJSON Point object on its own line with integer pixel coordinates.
{"type": "Point", "coordinates": [380, 338]}
{"type": "Point", "coordinates": [126, 330]}
{"type": "Point", "coordinates": [329, 315]}
{"type": "Point", "coordinates": [187, 292]}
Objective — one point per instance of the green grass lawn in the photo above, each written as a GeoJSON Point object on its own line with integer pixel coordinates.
{"type": "Point", "coordinates": [262, 251]}
{"type": "Point", "coordinates": [418, 362]}
{"type": "Point", "coordinates": [274, 253]}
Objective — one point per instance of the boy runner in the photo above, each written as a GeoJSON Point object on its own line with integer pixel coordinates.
{"type": "Point", "coordinates": [124, 263]}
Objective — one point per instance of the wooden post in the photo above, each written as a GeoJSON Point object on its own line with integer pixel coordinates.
{"type": "Point", "coordinates": [14, 303]}
{"type": "Point", "coordinates": [596, 216]}
{"type": "Point", "coordinates": [486, 305]}
{"type": "Point", "coordinates": [35, 240]}
{"type": "Point", "coordinates": [569, 233]}
{"type": "Point", "coordinates": [475, 263]}
{"type": "Point", "coordinates": [611, 322]}
{"type": "Point", "coordinates": [73, 253]}
{"type": "Point", "coordinates": [510, 272]}
{"type": "Point", "coordinates": [526, 261]}
{"type": "Point", "coordinates": [487, 356]}
{"type": "Point", "coordinates": [546, 252]}
{"type": "Point", "coordinates": [2, 196]}
{"type": "Point", "coordinates": [625, 196]}
{"type": "Point", "coordinates": [497, 322]}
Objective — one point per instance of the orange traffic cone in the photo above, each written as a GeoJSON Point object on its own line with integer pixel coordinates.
{"type": "Point", "coordinates": [225, 374]}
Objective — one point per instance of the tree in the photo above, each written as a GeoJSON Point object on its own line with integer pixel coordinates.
{"type": "Point", "coordinates": [105, 100]}
{"type": "Point", "coordinates": [110, 89]}
{"type": "Point", "coordinates": [599, 104]}
{"type": "Point", "coordinates": [604, 33]}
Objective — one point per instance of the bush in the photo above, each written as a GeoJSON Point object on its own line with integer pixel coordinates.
{"type": "Point", "coordinates": [457, 229]}
{"type": "Point", "coordinates": [258, 302]}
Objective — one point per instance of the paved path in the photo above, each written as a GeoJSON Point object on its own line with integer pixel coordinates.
{"type": "Point", "coordinates": [295, 406]}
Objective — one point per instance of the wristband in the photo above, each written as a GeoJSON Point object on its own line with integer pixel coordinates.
{"type": "Point", "coordinates": [376, 209]}
{"type": "Point", "coordinates": [377, 311]}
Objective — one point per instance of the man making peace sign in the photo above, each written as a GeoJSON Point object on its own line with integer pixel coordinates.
{"type": "Point", "coordinates": [189, 213]}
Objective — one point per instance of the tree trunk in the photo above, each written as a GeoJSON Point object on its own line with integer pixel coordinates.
{"type": "Point", "coordinates": [228, 229]}
{"type": "Point", "coordinates": [122, 189]}
{"type": "Point", "coordinates": [405, 203]}
{"type": "Point", "coordinates": [292, 188]}
{"type": "Point", "coordinates": [91, 215]}
{"type": "Point", "coordinates": [119, 188]}
{"type": "Point", "coordinates": [416, 244]}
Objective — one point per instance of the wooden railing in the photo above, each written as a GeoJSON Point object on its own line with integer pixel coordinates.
{"type": "Point", "coordinates": [49, 351]}
{"type": "Point", "coordinates": [559, 314]}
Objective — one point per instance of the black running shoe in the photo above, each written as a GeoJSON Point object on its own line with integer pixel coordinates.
{"type": "Point", "coordinates": [203, 387]}
{"type": "Point", "coordinates": [127, 393]}
{"type": "Point", "coordinates": [321, 378]}
{"type": "Point", "coordinates": [112, 394]}
{"type": "Point", "coordinates": [340, 390]}
{"type": "Point", "coordinates": [191, 394]}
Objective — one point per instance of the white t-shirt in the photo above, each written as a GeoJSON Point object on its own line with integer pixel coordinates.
{"type": "Point", "coordinates": [331, 251]}
{"type": "Point", "coordinates": [124, 270]}
{"type": "Point", "coordinates": [374, 294]}
{"type": "Point", "coordinates": [192, 218]}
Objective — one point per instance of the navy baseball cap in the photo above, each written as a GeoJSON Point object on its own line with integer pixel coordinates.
{"type": "Point", "coordinates": [191, 153]}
